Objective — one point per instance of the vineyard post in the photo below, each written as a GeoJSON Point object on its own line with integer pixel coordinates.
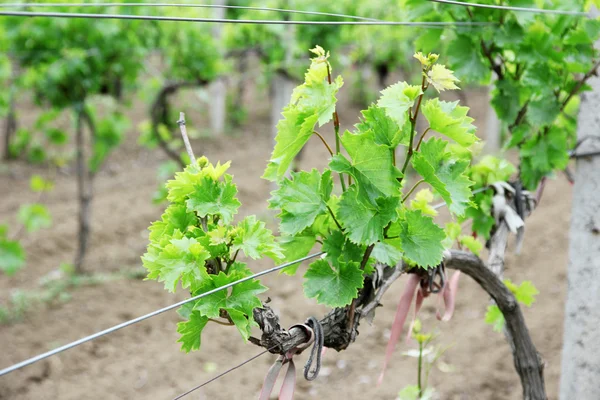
{"type": "Point", "coordinates": [218, 89]}
{"type": "Point", "coordinates": [492, 124]}
{"type": "Point", "coordinates": [580, 371]}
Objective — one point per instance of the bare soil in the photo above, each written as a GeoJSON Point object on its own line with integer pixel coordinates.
{"type": "Point", "coordinates": [144, 361]}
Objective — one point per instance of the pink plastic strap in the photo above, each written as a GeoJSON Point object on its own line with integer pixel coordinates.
{"type": "Point", "coordinates": [399, 319]}
{"type": "Point", "coordinates": [289, 381]}
{"type": "Point", "coordinates": [418, 304]}
{"type": "Point", "coordinates": [449, 296]}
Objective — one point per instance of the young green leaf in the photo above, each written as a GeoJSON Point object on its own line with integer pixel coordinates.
{"type": "Point", "coordinates": [312, 102]}
{"type": "Point", "coordinates": [239, 304]}
{"type": "Point", "coordinates": [450, 120]}
{"type": "Point", "coordinates": [34, 217]}
{"type": "Point", "coordinates": [301, 199]}
{"type": "Point", "coordinates": [421, 238]}
{"type": "Point", "coordinates": [524, 293]}
{"type": "Point", "coordinates": [182, 260]}
{"type": "Point", "coordinates": [445, 174]}
{"type": "Point", "coordinates": [12, 256]}
{"type": "Point", "coordinates": [338, 247]}
{"type": "Point", "coordinates": [371, 166]}
{"type": "Point", "coordinates": [422, 201]}
{"type": "Point", "coordinates": [39, 184]}
{"type": "Point", "coordinates": [471, 243]}
{"type": "Point", "coordinates": [494, 317]}
{"type": "Point", "coordinates": [333, 287]}
{"type": "Point", "coordinates": [442, 78]}
{"type": "Point", "coordinates": [364, 219]}
{"type": "Point", "coordinates": [293, 131]}
{"type": "Point", "coordinates": [255, 240]}
{"type": "Point", "coordinates": [185, 182]}
{"type": "Point", "coordinates": [295, 247]}
{"type": "Point", "coordinates": [191, 331]}
{"type": "Point", "coordinates": [211, 197]}
{"type": "Point", "coordinates": [397, 99]}
{"type": "Point", "coordinates": [387, 252]}
{"type": "Point", "coordinates": [385, 130]}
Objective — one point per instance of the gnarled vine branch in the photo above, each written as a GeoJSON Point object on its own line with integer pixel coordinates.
{"type": "Point", "coordinates": [159, 112]}
{"type": "Point", "coordinates": [338, 336]}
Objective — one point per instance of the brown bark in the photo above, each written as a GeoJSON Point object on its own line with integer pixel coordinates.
{"type": "Point", "coordinates": [338, 335]}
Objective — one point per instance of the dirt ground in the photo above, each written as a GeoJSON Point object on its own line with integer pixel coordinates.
{"type": "Point", "coordinates": [144, 362]}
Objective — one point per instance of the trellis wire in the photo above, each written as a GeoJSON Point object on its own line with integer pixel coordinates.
{"type": "Point", "coordinates": [171, 307]}
{"type": "Point", "coordinates": [511, 8]}
{"type": "Point", "coordinates": [222, 374]}
{"type": "Point", "coordinates": [236, 366]}
{"type": "Point", "coordinates": [282, 10]}
{"type": "Point", "coordinates": [150, 315]}
{"type": "Point", "coordinates": [236, 21]}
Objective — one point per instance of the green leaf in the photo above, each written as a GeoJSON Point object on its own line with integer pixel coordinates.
{"type": "Point", "coordinates": [385, 130]}
{"type": "Point", "coordinates": [175, 218]}
{"type": "Point", "coordinates": [191, 331]}
{"type": "Point", "coordinates": [39, 184]}
{"type": "Point", "coordinates": [543, 154]}
{"type": "Point", "coordinates": [182, 260]}
{"type": "Point", "coordinates": [12, 256]}
{"type": "Point", "coordinates": [34, 217]}
{"type": "Point", "coordinates": [452, 230]}
{"type": "Point", "coordinates": [442, 78]}
{"type": "Point", "coordinates": [295, 247]}
{"type": "Point", "coordinates": [421, 238]}
{"type": "Point", "coordinates": [242, 298]}
{"type": "Point", "coordinates": [186, 181]}
{"type": "Point", "coordinates": [422, 201]}
{"type": "Point", "coordinates": [524, 293]}
{"type": "Point", "coordinates": [255, 240]}
{"type": "Point", "coordinates": [333, 287]}
{"type": "Point", "coordinates": [211, 197]}
{"type": "Point", "coordinates": [445, 174]}
{"type": "Point", "coordinates": [397, 99]}
{"type": "Point", "coordinates": [363, 219]}
{"type": "Point", "coordinates": [56, 136]}
{"type": "Point", "coordinates": [371, 166]}
{"type": "Point", "coordinates": [506, 99]}
{"type": "Point", "coordinates": [471, 243]}
{"type": "Point", "coordinates": [338, 247]}
{"type": "Point", "coordinates": [543, 111]}
{"type": "Point", "coordinates": [293, 131]}
{"type": "Point", "coordinates": [239, 304]}
{"type": "Point", "coordinates": [312, 102]}
{"type": "Point", "coordinates": [387, 252]}
{"type": "Point", "coordinates": [491, 169]}
{"type": "Point", "coordinates": [494, 317]}
{"type": "Point", "coordinates": [465, 57]}
{"type": "Point", "coordinates": [450, 120]}
{"type": "Point", "coordinates": [301, 199]}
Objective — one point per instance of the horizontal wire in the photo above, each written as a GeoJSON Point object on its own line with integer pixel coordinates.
{"type": "Point", "coordinates": [168, 308]}
{"type": "Point", "coordinates": [252, 8]}
{"type": "Point", "coordinates": [235, 21]}
{"type": "Point", "coordinates": [325, 318]}
{"type": "Point", "coordinates": [149, 315]}
{"type": "Point", "coordinates": [511, 8]}
{"type": "Point", "coordinates": [222, 374]}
